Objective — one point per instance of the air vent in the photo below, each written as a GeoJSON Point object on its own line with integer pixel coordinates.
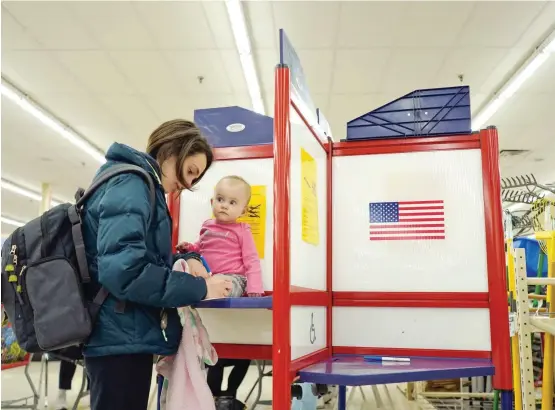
{"type": "Point", "coordinates": [512, 152]}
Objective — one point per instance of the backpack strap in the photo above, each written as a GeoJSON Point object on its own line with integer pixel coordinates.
{"type": "Point", "coordinates": [74, 213]}
{"type": "Point", "coordinates": [113, 171]}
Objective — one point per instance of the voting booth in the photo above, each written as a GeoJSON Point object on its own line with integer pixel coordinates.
{"type": "Point", "coordinates": [370, 247]}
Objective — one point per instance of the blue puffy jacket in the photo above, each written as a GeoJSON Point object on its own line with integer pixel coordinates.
{"type": "Point", "coordinates": [133, 262]}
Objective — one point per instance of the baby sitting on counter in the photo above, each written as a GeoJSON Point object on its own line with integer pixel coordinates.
{"type": "Point", "coordinates": [227, 245]}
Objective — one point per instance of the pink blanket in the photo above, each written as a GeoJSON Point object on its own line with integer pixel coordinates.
{"type": "Point", "coordinates": [185, 386]}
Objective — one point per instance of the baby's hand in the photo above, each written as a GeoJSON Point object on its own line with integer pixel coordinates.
{"type": "Point", "coordinates": [255, 295]}
{"type": "Point", "coordinates": [183, 246]}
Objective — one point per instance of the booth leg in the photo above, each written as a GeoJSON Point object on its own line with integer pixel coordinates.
{"type": "Point", "coordinates": [506, 400]}
{"type": "Point", "coordinates": [342, 398]}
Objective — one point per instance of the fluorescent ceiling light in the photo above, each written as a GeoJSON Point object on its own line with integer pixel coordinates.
{"type": "Point", "coordinates": [25, 103]}
{"type": "Point", "coordinates": [254, 87]}
{"type": "Point", "coordinates": [16, 189]}
{"type": "Point", "coordinates": [10, 221]}
{"type": "Point", "coordinates": [515, 82]}
{"type": "Point", "coordinates": [550, 48]}
{"type": "Point", "coordinates": [242, 41]}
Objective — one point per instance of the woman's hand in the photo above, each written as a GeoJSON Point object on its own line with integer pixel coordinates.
{"type": "Point", "coordinates": [255, 295]}
{"type": "Point", "coordinates": [196, 268]}
{"type": "Point", "coordinates": [218, 286]}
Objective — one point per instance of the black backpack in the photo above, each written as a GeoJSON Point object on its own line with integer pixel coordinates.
{"type": "Point", "coordinates": [44, 268]}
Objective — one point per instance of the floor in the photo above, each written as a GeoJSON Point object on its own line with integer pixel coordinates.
{"type": "Point", "coordinates": [14, 386]}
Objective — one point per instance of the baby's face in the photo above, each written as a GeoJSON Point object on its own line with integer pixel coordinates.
{"type": "Point", "coordinates": [229, 201]}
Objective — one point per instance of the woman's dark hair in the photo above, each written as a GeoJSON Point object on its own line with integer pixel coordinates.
{"type": "Point", "coordinates": [179, 138]}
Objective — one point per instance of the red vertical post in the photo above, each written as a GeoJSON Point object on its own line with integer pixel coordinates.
{"type": "Point", "coordinates": [174, 204]}
{"type": "Point", "coordinates": [281, 328]}
{"type": "Point", "coordinates": [495, 248]}
{"type": "Point", "coordinates": [329, 247]}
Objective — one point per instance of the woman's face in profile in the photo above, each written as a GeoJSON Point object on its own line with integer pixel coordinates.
{"type": "Point", "coordinates": [193, 167]}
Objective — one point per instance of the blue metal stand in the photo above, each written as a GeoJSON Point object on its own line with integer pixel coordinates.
{"type": "Point", "coordinates": [506, 400]}
{"type": "Point", "coordinates": [342, 398]}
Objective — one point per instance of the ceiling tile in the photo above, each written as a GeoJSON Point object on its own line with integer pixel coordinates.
{"type": "Point", "coordinates": [95, 70]}
{"type": "Point", "coordinates": [410, 69]}
{"type": "Point", "coordinates": [86, 114]}
{"type": "Point", "coordinates": [52, 24]}
{"type": "Point", "coordinates": [499, 24]}
{"type": "Point", "coordinates": [266, 61]}
{"type": "Point", "coordinates": [474, 63]}
{"type": "Point", "coordinates": [317, 67]}
{"type": "Point", "coordinates": [369, 24]}
{"type": "Point", "coordinates": [19, 208]}
{"type": "Point", "coordinates": [184, 27]}
{"type": "Point", "coordinates": [38, 71]}
{"type": "Point", "coordinates": [543, 80]}
{"type": "Point", "coordinates": [219, 23]}
{"type": "Point", "coordinates": [14, 36]}
{"type": "Point", "coordinates": [360, 71]}
{"type": "Point", "coordinates": [234, 70]}
{"type": "Point", "coordinates": [115, 24]}
{"type": "Point", "coordinates": [134, 113]}
{"type": "Point", "coordinates": [183, 106]}
{"type": "Point", "coordinates": [148, 71]}
{"type": "Point", "coordinates": [345, 107]}
{"type": "Point", "coordinates": [308, 24]}
{"type": "Point", "coordinates": [258, 14]}
{"type": "Point", "coordinates": [431, 24]}
{"type": "Point", "coordinates": [48, 157]}
{"type": "Point", "coordinates": [525, 109]}
{"type": "Point", "coordinates": [189, 65]}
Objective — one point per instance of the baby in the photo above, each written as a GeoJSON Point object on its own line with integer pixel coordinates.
{"type": "Point", "coordinates": [227, 245]}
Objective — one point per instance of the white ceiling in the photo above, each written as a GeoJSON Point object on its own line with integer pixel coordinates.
{"type": "Point", "coordinates": [115, 70]}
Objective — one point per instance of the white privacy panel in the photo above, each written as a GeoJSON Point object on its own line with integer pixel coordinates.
{"type": "Point", "coordinates": [308, 255]}
{"type": "Point", "coordinates": [308, 330]}
{"type": "Point", "coordinates": [239, 326]}
{"type": "Point", "coordinates": [412, 328]}
{"type": "Point", "coordinates": [413, 195]}
{"type": "Point", "coordinates": [195, 206]}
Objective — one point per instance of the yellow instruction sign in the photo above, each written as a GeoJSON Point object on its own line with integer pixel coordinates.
{"type": "Point", "coordinates": [256, 217]}
{"type": "Point", "coordinates": [309, 199]}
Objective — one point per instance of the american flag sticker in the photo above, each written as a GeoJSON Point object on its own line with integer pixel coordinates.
{"type": "Point", "coordinates": [406, 221]}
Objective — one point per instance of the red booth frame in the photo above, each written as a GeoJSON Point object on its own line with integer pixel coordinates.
{"type": "Point", "coordinates": [285, 296]}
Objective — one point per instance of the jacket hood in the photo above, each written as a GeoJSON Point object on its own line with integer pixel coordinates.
{"type": "Point", "coordinates": [121, 153]}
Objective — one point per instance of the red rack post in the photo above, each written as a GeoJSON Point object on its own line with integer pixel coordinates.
{"type": "Point", "coordinates": [495, 248]}
{"type": "Point", "coordinates": [281, 354]}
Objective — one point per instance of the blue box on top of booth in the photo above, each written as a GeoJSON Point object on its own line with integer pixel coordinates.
{"type": "Point", "coordinates": [234, 127]}
{"type": "Point", "coordinates": [430, 112]}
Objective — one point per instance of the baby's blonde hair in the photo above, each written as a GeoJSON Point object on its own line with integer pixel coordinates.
{"type": "Point", "coordinates": [239, 179]}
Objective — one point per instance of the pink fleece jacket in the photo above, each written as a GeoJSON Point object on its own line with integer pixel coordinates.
{"type": "Point", "coordinates": [230, 248]}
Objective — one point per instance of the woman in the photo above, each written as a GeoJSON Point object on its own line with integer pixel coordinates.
{"type": "Point", "coordinates": [132, 259]}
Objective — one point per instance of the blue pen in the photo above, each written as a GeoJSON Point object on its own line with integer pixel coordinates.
{"type": "Point", "coordinates": [205, 264]}
{"type": "Point", "coordinates": [386, 359]}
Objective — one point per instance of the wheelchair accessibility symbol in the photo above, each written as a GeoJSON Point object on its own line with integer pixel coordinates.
{"type": "Point", "coordinates": [312, 329]}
